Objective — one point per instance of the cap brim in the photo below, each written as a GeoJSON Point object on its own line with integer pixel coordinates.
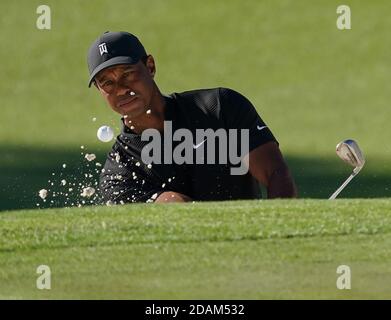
{"type": "Point", "coordinates": [109, 63]}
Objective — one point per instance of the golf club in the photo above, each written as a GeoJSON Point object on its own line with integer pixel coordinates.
{"type": "Point", "coordinates": [349, 151]}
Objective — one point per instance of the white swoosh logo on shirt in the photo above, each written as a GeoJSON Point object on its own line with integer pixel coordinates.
{"type": "Point", "coordinates": [261, 128]}
{"type": "Point", "coordinates": [196, 146]}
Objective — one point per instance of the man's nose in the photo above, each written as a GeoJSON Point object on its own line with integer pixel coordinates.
{"type": "Point", "coordinates": [122, 89]}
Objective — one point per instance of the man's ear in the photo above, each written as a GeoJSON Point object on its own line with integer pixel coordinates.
{"type": "Point", "coordinates": [96, 86]}
{"type": "Point", "coordinates": [151, 66]}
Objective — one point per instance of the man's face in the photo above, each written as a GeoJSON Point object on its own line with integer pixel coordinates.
{"type": "Point", "coordinates": [118, 82]}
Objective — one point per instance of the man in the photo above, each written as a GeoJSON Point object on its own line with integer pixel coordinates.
{"type": "Point", "coordinates": [124, 73]}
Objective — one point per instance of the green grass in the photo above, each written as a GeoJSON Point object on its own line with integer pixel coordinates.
{"type": "Point", "coordinates": [246, 249]}
{"type": "Point", "coordinates": [286, 56]}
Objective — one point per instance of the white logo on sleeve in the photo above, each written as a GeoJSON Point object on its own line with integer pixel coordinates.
{"type": "Point", "coordinates": [198, 145]}
{"type": "Point", "coordinates": [261, 128]}
{"type": "Point", "coordinates": [103, 48]}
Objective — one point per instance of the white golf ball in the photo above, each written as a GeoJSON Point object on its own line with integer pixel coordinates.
{"type": "Point", "coordinates": [105, 134]}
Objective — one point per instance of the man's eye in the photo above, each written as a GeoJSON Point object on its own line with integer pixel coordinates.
{"type": "Point", "coordinates": [107, 83]}
{"type": "Point", "coordinates": [128, 74]}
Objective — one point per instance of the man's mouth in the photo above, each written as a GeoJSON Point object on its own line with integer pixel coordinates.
{"type": "Point", "coordinates": [126, 101]}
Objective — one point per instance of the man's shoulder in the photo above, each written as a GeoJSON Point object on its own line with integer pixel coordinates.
{"type": "Point", "coordinates": [208, 100]}
{"type": "Point", "coordinates": [203, 93]}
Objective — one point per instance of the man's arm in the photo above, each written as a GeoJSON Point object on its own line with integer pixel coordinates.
{"type": "Point", "coordinates": [117, 181]}
{"type": "Point", "coordinates": [171, 196]}
{"type": "Point", "coordinates": [267, 165]}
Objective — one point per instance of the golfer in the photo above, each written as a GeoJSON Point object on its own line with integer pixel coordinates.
{"type": "Point", "coordinates": [123, 73]}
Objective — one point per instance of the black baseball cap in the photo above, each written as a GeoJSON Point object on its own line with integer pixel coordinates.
{"type": "Point", "coordinates": [113, 48]}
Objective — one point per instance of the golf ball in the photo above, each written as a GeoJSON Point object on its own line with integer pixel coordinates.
{"type": "Point", "coordinates": [105, 134]}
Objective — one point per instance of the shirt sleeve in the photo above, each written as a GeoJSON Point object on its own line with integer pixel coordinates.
{"type": "Point", "coordinates": [121, 182]}
{"type": "Point", "coordinates": [238, 113]}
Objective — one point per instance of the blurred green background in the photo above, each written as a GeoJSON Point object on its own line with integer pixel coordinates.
{"type": "Point", "coordinates": [313, 84]}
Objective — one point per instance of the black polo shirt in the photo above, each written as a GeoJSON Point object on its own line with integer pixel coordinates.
{"type": "Point", "coordinates": [125, 178]}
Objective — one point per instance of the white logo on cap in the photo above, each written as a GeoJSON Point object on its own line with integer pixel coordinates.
{"type": "Point", "coordinates": [102, 48]}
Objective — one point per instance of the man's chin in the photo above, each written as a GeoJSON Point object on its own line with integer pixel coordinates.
{"type": "Point", "coordinates": [134, 114]}
{"type": "Point", "coordinates": [132, 110]}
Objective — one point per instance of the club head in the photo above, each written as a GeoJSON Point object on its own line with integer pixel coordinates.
{"type": "Point", "coordinates": [350, 152]}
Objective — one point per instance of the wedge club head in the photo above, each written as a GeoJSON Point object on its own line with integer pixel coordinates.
{"type": "Point", "coordinates": [350, 152]}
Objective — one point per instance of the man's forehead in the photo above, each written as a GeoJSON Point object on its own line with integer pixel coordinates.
{"type": "Point", "coordinates": [114, 69]}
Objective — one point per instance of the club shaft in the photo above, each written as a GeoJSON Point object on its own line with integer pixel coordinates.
{"type": "Point", "coordinates": [337, 192]}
